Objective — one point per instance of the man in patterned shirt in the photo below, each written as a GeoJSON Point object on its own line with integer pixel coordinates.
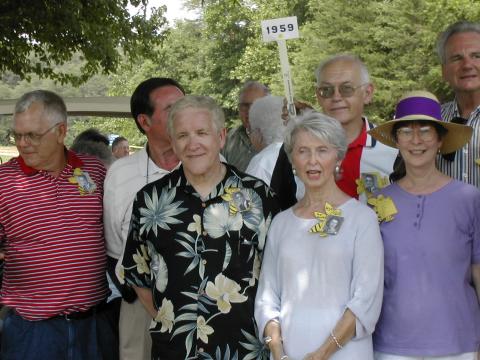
{"type": "Point", "coordinates": [459, 52]}
{"type": "Point", "coordinates": [195, 244]}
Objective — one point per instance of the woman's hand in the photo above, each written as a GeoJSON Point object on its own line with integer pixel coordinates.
{"type": "Point", "coordinates": [276, 348]}
{"type": "Point", "coordinates": [317, 355]}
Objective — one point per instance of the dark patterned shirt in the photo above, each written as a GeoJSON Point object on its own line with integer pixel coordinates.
{"type": "Point", "coordinates": [201, 258]}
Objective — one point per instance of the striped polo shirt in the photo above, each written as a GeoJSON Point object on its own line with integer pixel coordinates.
{"type": "Point", "coordinates": [464, 166]}
{"type": "Point", "coordinates": [52, 232]}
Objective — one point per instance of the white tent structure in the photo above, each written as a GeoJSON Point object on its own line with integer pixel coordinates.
{"type": "Point", "coordinates": [104, 106]}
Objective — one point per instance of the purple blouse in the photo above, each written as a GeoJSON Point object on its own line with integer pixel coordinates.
{"type": "Point", "coordinates": [430, 307]}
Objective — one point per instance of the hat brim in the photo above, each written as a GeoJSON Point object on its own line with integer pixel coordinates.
{"type": "Point", "coordinates": [456, 137]}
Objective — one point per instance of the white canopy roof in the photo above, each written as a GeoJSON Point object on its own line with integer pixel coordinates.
{"type": "Point", "coordinates": [104, 106]}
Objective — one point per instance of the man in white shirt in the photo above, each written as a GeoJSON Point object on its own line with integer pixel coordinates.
{"type": "Point", "coordinates": [150, 104]}
{"type": "Point", "coordinates": [459, 52]}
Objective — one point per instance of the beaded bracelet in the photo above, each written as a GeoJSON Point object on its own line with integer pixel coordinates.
{"type": "Point", "coordinates": [336, 340]}
{"type": "Point", "coordinates": [267, 340]}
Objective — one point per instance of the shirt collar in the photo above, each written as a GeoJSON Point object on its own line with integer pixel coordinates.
{"type": "Point", "coordinates": [72, 159]}
{"type": "Point", "coordinates": [371, 142]}
{"type": "Point", "coordinates": [456, 111]}
{"type": "Point", "coordinates": [361, 138]}
{"type": "Point", "coordinates": [183, 183]}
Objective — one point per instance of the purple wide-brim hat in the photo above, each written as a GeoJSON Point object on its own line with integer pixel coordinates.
{"type": "Point", "coordinates": [422, 105]}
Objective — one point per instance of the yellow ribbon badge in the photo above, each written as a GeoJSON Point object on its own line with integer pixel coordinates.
{"type": "Point", "coordinates": [323, 218]}
{"type": "Point", "coordinates": [85, 184]}
{"type": "Point", "coordinates": [368, 183]}
{"type": "Point", "coordinates": [237, 200]}
{"type": "Point", "coordinates": [384, 207]}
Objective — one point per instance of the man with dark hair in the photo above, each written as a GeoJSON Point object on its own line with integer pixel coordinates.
{"type": "Point", "coordinates": [120, 147]}
{"type": "Point", "coordinates": [93, 142]}
{"type": "Point", "coordinates": [91, 134]}
{"type": "Point", "coordinates": [150, 104]}
{"type": "Point", "coordinates": [238, 150]}
{"type": "Point", "coordinates": [459, 53]}
{"type": "Point", "coordinates": [51, 228]}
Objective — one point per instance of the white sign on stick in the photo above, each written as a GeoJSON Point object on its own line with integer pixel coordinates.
{"type": "Point", "coordinates": [280, 29]}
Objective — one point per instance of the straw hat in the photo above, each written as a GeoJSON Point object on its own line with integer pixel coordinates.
{"type": "Point", "coordinates": [422, 105]}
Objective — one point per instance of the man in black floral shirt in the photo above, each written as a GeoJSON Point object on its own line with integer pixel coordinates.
{"type": "Point", "coordinates": [195, 244]}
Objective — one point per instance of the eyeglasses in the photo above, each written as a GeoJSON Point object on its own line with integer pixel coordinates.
{"type": "Point", "coordinates": [345, 90]}
{"type": "Point", "coordinates": [31, 138]}
{"type": "Point", "coordinates": [426, 133]}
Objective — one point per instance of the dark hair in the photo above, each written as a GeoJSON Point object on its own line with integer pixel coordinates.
{"type": "Point", "coordinates": [140, 100]}
{"type": "Point", "coordinates": [117, 141]}
{"type": "Point", "coordinates": [94, 148]}
{"type": "Point", "coordinates": [91, 135]}
{"type": "Point", "coordinates": [399, 170]}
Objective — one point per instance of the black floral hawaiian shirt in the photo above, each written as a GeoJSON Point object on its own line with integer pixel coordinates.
{"type": "Point", "coordinates": [201, 258]}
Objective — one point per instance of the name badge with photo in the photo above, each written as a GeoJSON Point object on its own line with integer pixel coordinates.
{"type": "Point", "coordinates": [84, 182]}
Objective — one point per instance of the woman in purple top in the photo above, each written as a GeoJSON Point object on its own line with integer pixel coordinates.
{"type": "Point", "coordinates": [430, 226]}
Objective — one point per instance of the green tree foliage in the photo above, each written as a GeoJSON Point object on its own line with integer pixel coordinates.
{"type": "Point", "coordinates": [395, 38]}
{"type": "Point", "coordinates": [216, 53]}
{"type": "Point", "coordinates": [36, 37]}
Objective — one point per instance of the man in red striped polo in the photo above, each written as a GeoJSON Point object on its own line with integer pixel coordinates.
{"type": "Point", "coordinates": [51, 229]}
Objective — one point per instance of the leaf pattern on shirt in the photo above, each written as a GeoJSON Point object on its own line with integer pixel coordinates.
{"type": "Point", "coordinates": [205, 260]}
{"type": "Point", "coordinates": [159, 211]}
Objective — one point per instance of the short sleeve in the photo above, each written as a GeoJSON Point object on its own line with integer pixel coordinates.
{"type": "Point", "coordinates": [367, 277]}
{"type": "Point", "coordinates": [135, 261]}
{"type": "Point", "coordinates": [267, 301]}
{"type": "Point", "coordinates": [476, 228]}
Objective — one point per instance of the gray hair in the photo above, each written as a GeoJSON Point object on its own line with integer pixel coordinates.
{"type": "Point", "coordinates": [266, 115]}
{"type": "Point", "coordinates": [323, 127]}
{"type": "Point", "coordinates": [54, 107]}
{"type": "Point", "coordinates": [364, 75]}
{"type": "Point", "coordinates": [200, 103]}
{"type": "Point", "coordinates": [252, 85]}
{"type": "Point", "coordinates": [458, 27]}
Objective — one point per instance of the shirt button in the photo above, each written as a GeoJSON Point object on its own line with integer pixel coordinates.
{"type": "Point", "coordinates": [204, 261]}
{"type": "Point", "coordinates": [204, 205]}
{"type": "Point", "coordinates": [200, 350]}
{"type": "Point", "coordinates": [414, 224]}
{"type": "Point", "coordinates": [205, 233]}
{"type": "Point", "coordinates": [418, 215]}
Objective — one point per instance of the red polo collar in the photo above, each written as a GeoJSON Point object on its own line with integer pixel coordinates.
{"type": "Point", "coordinates": [72, 159]}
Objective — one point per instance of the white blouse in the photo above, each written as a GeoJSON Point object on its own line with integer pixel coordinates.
{"type": "Point", "coordinates": [307, 281]}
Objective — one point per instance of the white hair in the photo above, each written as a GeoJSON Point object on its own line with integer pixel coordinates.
{"type": "Point", "coordinates": [266, 115]}
{"type": "Point", "coordinates": [321, 126]}
{"type": "Point", "coordinates": [364, 75]}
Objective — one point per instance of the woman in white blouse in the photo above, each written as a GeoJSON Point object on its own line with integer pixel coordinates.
{"type": "Point", "coordinates": [320, 291]}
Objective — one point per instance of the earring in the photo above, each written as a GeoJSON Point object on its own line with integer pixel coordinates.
{"type": "Point", "coordinates": [337, 170]}
{"type": "Point", "coordinates": [294, 171]}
